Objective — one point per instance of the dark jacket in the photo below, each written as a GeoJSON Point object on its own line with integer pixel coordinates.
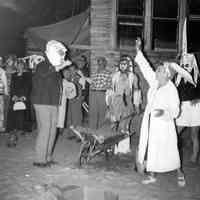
{"type": "Point", "coordinates": [188, 92]}
{"type": "Point", "coordinates": [46, 85]}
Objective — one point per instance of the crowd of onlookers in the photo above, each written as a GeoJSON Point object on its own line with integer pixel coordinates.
{"type": "Point", "coordinates": [17, 115]}
{"type": "Point", "coordinates": [48, 98]}
{"type": "Point", "coordinates": [15, 89]}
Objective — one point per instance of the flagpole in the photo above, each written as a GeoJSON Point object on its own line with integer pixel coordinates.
{"type": "Point", "coordinates": [184, 38]}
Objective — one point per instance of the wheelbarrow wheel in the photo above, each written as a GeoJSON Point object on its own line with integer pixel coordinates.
{"type": "Point", "coordinates": [84, 157]}
{"type": "Point", "coordinates": [82, 160]}
{"type": "Point", "coordinates": [109, 152]}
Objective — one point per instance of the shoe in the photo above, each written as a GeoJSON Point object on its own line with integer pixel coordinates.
{"type": "Point", "coordinates": [12, 140]}
{"type": "Point", "coordinates": [40, 164]}
{"type": "Point", "coordinates": [52, 162]}
{"type": "Point", "coordinates": [150, 179]}
{"type": "Point", "coordinates": [181, 181]}
{"type": "Point", "coordinates": [71, 137]}
{"type": "Point", "coordinates": [22, 133]}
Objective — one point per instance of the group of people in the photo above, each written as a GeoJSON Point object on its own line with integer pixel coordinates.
{"type": "Point", "coordinates": [172, 104]}
{"type": "Point", "coordinates": [75, 94]}
{"type": "Point", "coordinates": [15, 86]}
{"type": "Point", "coordinates": [57, 92]}
{"type": "Point", "coordinates": [168, 110]}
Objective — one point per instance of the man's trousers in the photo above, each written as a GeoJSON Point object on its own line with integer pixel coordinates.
{"type": "Point", "coordinates": [46, 117]}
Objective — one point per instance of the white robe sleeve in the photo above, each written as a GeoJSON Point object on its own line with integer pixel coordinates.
{"type": "Point", "coordinates": [145, 68]}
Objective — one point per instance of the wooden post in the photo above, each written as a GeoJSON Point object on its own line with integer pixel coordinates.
{"type": "Point", "coordinates": [114, 25]}
{"type": "Point", "coordinates": [148, 25]}
{"type": "Point", "coordinates": [182, 15]}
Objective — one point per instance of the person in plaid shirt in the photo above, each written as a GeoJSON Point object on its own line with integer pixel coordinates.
{"type": "Point", "coordinates": [99, 83]}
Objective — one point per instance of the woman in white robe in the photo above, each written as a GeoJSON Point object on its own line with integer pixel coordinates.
{"type": "Point", "coordinates": [158, 146]}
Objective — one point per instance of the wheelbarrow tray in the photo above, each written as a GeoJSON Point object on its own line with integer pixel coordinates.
{"type": "Point", "coordinates": [93, 145]}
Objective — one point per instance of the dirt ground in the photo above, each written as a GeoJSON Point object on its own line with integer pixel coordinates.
{"type": "Point", "coordinates": [19, 179]}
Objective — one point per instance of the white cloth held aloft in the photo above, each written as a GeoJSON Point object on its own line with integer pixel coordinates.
{"type": "Point", "coordinates": [56, 52]}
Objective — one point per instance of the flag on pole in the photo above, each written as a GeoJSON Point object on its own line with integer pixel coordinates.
{"type": "Point", "coordinates": [184, 38]}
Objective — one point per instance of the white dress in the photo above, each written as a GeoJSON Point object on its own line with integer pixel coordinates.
{"type": "Point", "coordinates": [158, 137]}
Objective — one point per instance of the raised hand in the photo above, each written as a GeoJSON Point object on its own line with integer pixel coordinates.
{"type": "Point", "coordinates": [138, 44]}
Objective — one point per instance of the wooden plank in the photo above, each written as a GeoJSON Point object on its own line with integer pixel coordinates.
{"type": "Point", "coordinates": [148, 25]}
{"type": "Point", "coordinates": [114, 25]}
{"type": "Point", "coordinates": [182, 16]}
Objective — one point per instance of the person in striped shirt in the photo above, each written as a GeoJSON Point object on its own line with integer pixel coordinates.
{"type": "Point", "coordinates": [99, 83]}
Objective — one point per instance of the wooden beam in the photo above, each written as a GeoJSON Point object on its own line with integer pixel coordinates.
{"type": "Point", "coordinates": [114, 25]}
{"type": "Point", "coordinates": [88, 47]}
{"type": "Point", "coordinates": [148, 25]}
{"type": "Point", "coordinates": [182, 15]}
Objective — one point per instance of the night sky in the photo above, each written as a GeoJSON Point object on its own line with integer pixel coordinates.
{"type": "Point", "coordinates": [17, 15]}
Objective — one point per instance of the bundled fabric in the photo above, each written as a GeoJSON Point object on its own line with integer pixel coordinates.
{"type": "Point", "coordinates": [188, 62]}
{"type": "Point", "coordinates": [56, 53]}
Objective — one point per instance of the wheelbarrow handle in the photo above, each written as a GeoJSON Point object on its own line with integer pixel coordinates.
{"type": "Point", "coordinates": [77, 133]}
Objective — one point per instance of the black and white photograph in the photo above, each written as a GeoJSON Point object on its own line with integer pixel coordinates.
{"type": "Point", "coordinates": [99, 99]}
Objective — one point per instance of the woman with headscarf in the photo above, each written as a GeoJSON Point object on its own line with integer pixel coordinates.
{"type": "Point", "coordinates": [20, 88]}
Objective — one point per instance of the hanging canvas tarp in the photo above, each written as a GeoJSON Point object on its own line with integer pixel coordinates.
{"type": "Point", "coordinates": [74, 30]}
